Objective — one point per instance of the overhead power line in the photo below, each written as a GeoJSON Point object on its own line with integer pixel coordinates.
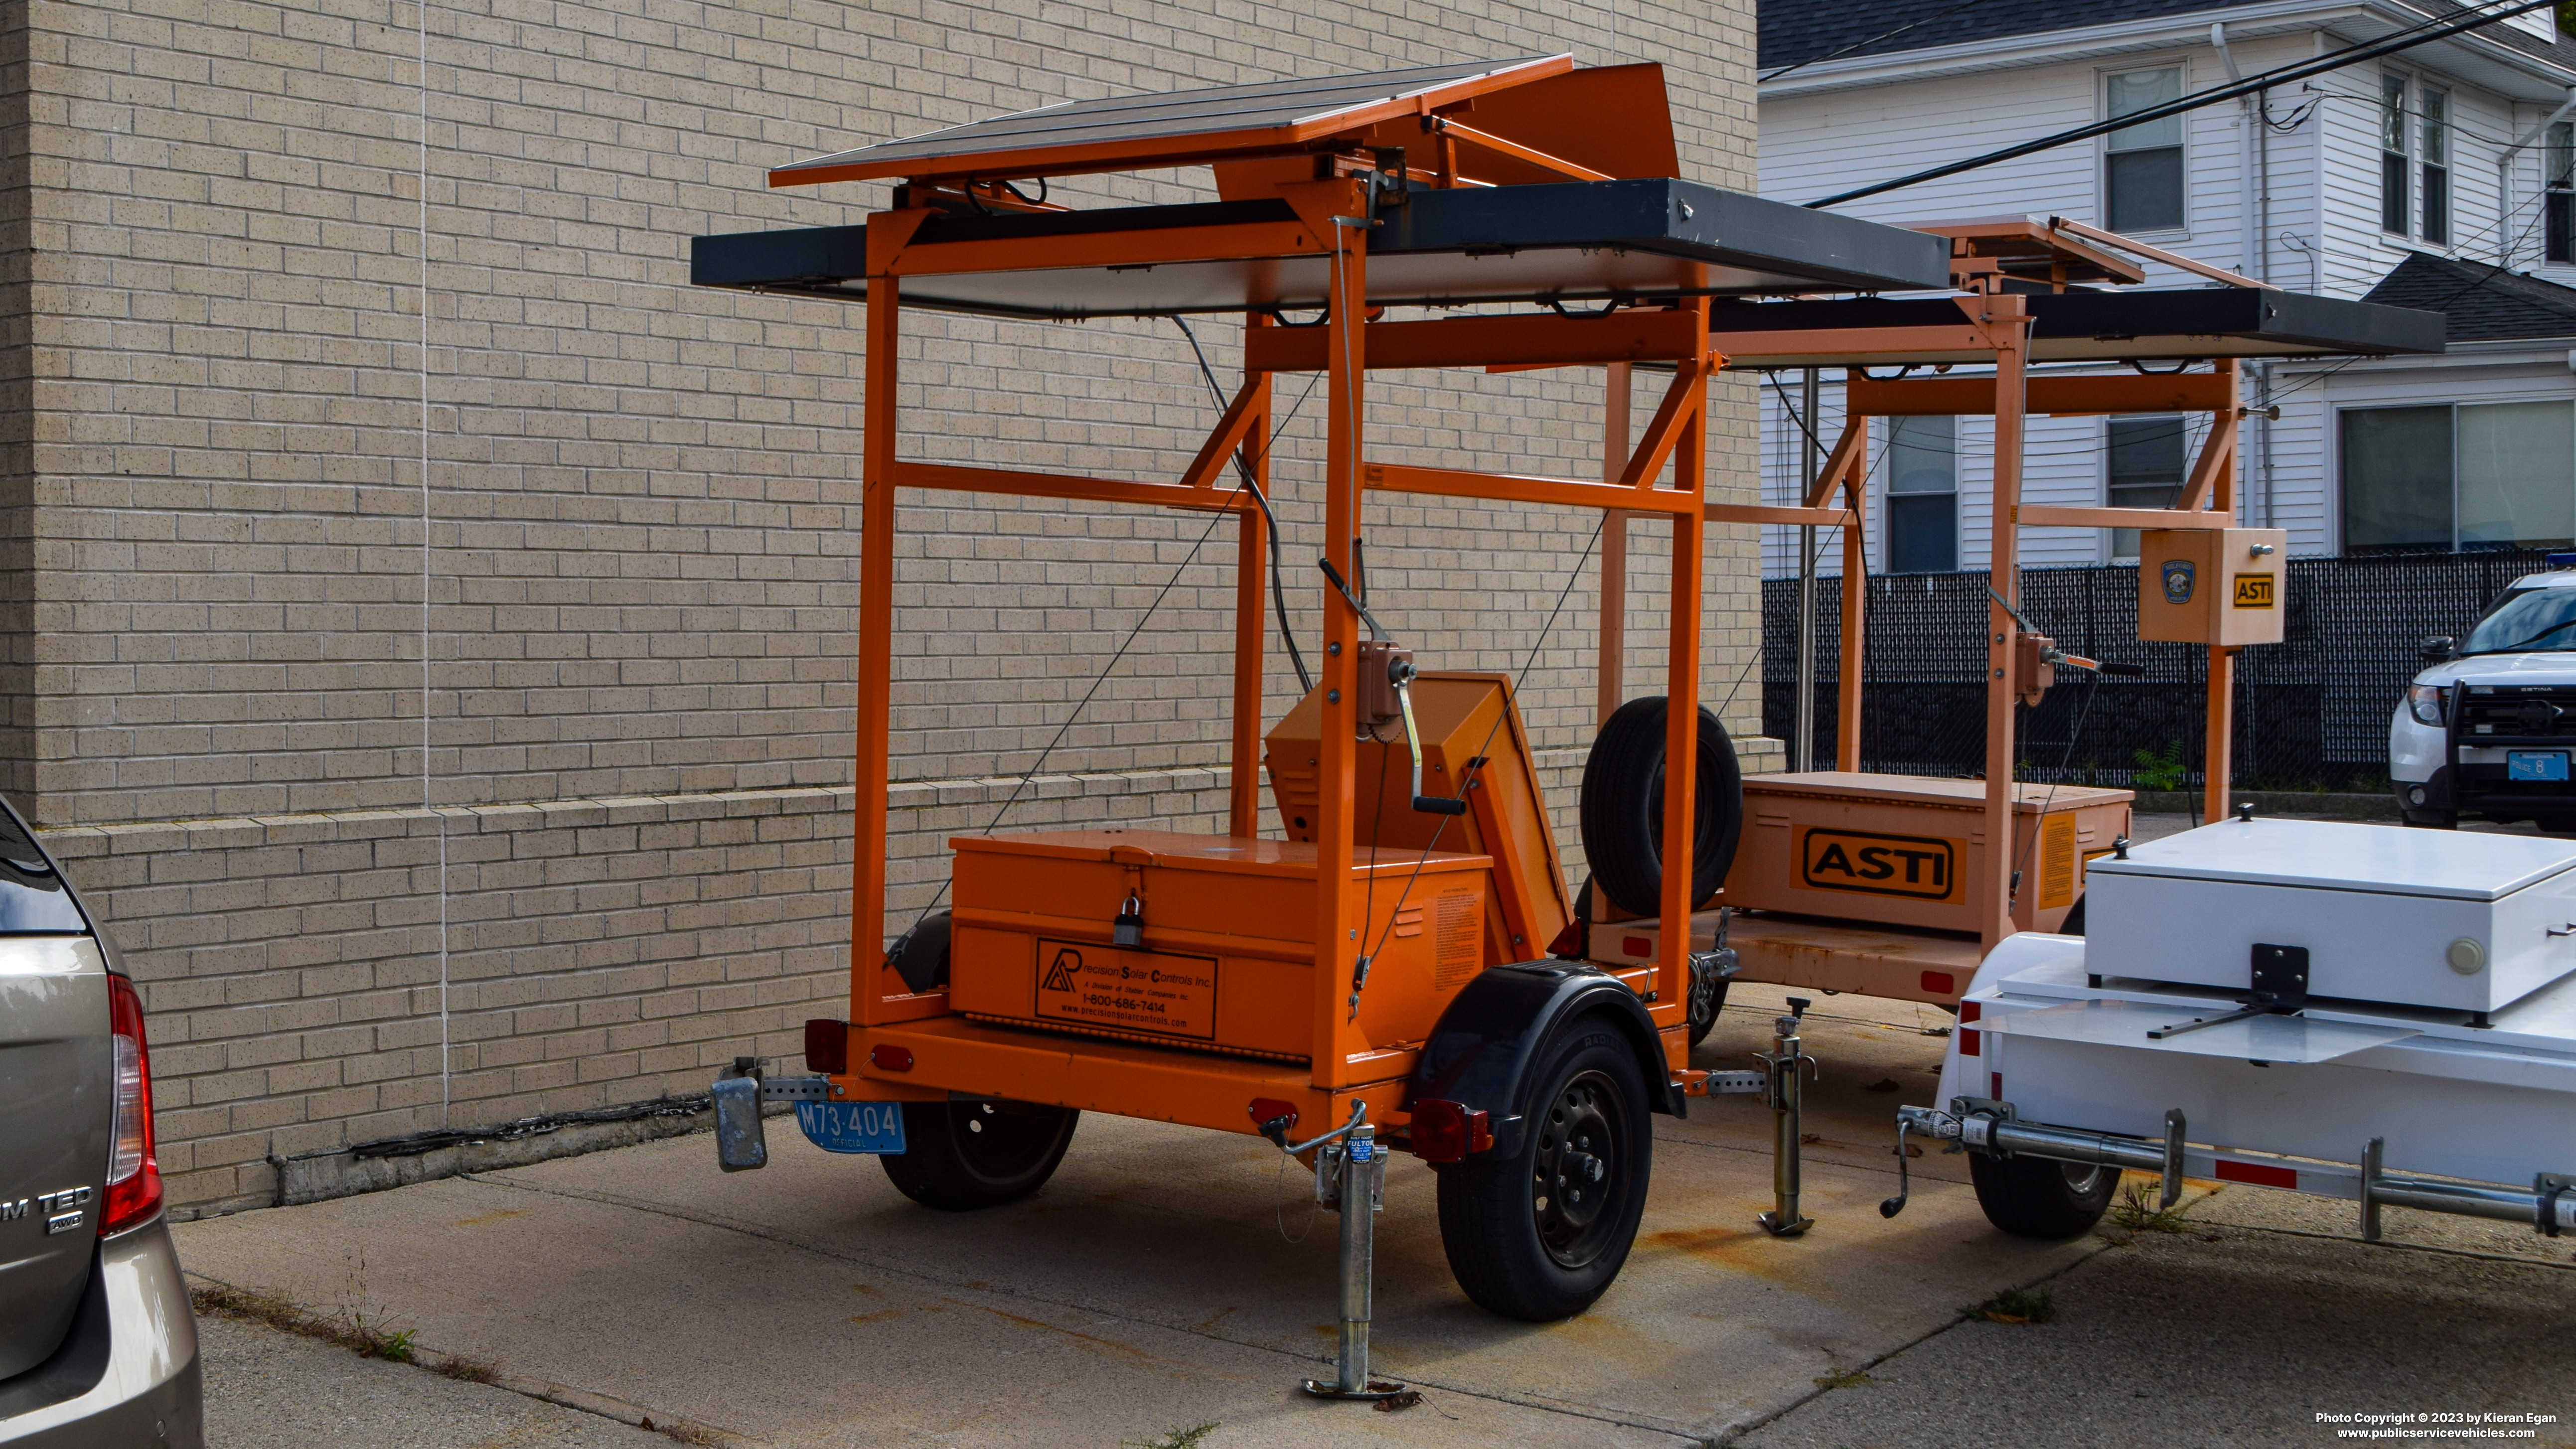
{"type": "Point", "coordinates": [2407, 39]}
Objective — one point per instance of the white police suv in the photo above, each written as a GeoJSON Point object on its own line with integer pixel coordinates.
{"type": "Point", "coordinates": [2489, 726]}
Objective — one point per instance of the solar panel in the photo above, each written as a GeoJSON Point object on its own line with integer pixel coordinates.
{"type": "Point", "coordinates": [1135, 130]}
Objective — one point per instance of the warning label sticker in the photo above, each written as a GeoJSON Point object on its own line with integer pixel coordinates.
{"type": "Point", "coordinates": [1096, 985]}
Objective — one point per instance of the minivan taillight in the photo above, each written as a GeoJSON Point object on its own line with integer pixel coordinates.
{"type": "Point", "coordinates": [133, 1178]}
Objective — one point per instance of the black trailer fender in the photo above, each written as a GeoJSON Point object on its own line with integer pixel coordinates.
{"type": "Point", "coordinates": [1488, 1041]}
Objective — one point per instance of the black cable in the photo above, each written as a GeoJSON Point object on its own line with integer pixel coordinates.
{"type": "Point", "coordinates": [1278, 590]}
{"type": "Point", "coordinates": [2407, 39]}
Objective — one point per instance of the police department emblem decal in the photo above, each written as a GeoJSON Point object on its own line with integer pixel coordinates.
{"type": "Point", "coordinates": [2177, 575]}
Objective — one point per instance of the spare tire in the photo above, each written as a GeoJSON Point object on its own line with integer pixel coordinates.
{"type": "Point", "coordinates": [1623, 808]}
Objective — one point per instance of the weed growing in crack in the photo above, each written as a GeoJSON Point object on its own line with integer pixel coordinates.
{"type": "Point", "coordinates": [1173, 1438]}
{"type": "Point", "coordinates": [2137, 1211]}
{"type": "Point", "coordinates": [2015, 1305]}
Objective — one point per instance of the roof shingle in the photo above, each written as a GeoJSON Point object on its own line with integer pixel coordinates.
{"type": "Point", "coordinates": [2480, 302]}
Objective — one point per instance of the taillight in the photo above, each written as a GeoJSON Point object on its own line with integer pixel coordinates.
{"type": "Point", "coordinates": [1449, 1131]}
{"type": "Point", "coordinates": [133, 1178]}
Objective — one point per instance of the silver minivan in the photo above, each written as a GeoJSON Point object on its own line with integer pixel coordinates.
{"type": "Point", "coordinates": [98, 1347]}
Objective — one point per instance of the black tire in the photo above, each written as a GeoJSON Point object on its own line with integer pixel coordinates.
{"type": "Point", "coordinates": [960, 1156]}
{"type": "Point", "coordinates": [1521, 1243]}
{"type": "Point", "coordinates": [2041, 1197]}
{"type": "Point", "coordinates": [1622, 812]}
{"type": "Point", "coordinates": [1707, 999]}
{"type": "Point", "coordinates": [2433, 819]}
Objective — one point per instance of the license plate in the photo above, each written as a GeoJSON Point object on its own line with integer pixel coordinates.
{"type": "Point", "coordinates": [2535, 764]}
{"type": "Point", "coordinates": [853, 1126]}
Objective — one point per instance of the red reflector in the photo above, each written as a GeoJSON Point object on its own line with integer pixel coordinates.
{"type": "Point", "coordinates": [887, 1057]}
{"type": "Point", "coordinates": [1271, 1109]}
{"type": "Point", "coordinates": [1971, 1010]}
{"type": "Point", "coordinates": [1637, 946]}
{"type": "Point", "coordinates": [1449, 1131]}
{"type": "Point", "coordinates": [827, 1047]}
{"type": "Point", "coordinates": [1995, 1091]}
{"type": "Point", "coordinates": [1971, 1043]}
{"type": "Point", "coordinates": [1940, 983]}
{"type": "Point", "coordinates": [1569, 943]}
{"type": "Point", "coordinates": [2258, 1175]}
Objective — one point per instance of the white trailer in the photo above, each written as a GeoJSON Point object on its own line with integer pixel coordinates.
{"type": "Point", "coordinates": [2352, 1011]}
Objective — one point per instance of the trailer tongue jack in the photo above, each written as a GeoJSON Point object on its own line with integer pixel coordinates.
{"type": "Point", "coordinates": [1350, 1179]}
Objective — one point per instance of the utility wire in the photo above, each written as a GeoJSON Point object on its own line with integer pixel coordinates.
{"type": "Point", "coordinates": [2406, 39]}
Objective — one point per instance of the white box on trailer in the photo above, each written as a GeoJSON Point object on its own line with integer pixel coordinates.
{"type": "Point", "coordinates": [2469, 922]}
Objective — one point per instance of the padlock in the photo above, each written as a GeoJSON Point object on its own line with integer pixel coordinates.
{"type": "Point", "coordinates": [1129, 928]}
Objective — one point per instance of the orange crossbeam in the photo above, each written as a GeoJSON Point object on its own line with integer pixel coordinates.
{"type": "Point", "coordinates": [1779, 513]}
{"type": "Point", "coordinates": [957, 479]}
{"type": "Point", "coordinates": [1678, 413]}
{"type": "Point", "coordinates": [1115, 249]}
{"type": "Point", "coordinates": [2048, 515]}
{"type": "Point", "coordinates": [1241, 417]}
{"type": "Point", "coordinates": [1834, 345]}
{"type": "Point", "coordinates": [1630, 335]}
{"type": "Point", "coordinates": [1523, 488]}
{"type": "Point", "coordinates": [1918, 397]}
{"type": "Point", "coordinates": [1470, 136]}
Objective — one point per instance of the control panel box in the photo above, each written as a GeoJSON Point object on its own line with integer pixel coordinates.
{"type": "Point", "coordinates": [2224, 586]}
{"type": "Point", "coordinates": [2434, 918]}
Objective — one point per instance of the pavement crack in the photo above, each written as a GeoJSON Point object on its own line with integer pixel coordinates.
{"type": "Point", "coordinates": [918, 1275]}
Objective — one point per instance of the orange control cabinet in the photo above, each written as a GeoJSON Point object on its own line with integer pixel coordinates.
{"type": "Point", "coordinates": [1226, 960]}
{"type": "Point", "coordinates": [1911, 851]}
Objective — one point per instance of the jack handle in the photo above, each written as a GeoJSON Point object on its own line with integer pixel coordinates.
{"type": "Point", "coordinates": [2053, 655]}
{"type": "Point", "coordinates": [1276, 1129]}
{"type": "Point", "coordinates": [1427, 804]}
{"type": "Point", "coordinates": [1401, 676]}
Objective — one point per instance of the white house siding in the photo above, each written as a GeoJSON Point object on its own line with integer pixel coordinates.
{"type": "Point", "coordinates": [2319, 231]}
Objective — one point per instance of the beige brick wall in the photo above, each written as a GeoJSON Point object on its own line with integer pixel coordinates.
{"type": "Point", "coordinates": [261, 661]}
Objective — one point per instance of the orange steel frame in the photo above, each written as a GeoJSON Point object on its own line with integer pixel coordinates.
{"type": "Point", "coordinates": [1998, 323]}
{"type": "Point", "coordinates": [907, 1046]}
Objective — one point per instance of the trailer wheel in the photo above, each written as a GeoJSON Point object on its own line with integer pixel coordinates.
{"type": "Point", "coordinates": [1622, 809]}
{"type": "Point", "coordinates": [2041, 1197]}
{"type": "Point", "coordinates": [1538, 1234]}
{"type": "Point", "coordinates": [960, 1156]}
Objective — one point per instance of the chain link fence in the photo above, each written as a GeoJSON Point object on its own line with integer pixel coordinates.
{"type": "Point", "coordinates": [2311, 712]}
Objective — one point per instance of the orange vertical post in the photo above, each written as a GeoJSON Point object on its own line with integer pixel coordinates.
{"type": "Point", "coordinates": [1611, 679]}
{"type": "Point", "coordinates": [1855, 600]}
{"type": "Point", "coordinates": [1337, 923]}
{"type": "Point", "coordinates": [2008, 324]}
{"type": "Point", "coordinates": [1681, 694]}
{"type": "Point", "coordinates": [1251, 576]}
{"type": "Point", "coordinates": [2218, 742]}
{"type": "Point", "coordinates": [868, 973]}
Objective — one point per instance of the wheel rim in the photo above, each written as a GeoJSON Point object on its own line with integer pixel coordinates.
{"type": "Point", "coordinates": [2081, 1178]}
{"type": "Point", "coordinates": [999, 1143]}
{"type": "Point", "coordinates": [1580, 1174]}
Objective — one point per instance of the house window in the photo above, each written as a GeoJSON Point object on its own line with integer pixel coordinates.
{"type": "Point", "coordinates": [2142, 164]}
{"type": "Point", "coordinates": [2393, 160]}
{"type": "Point", "coordinates": [1923, 496]}
{"type": "Point", "coordinates": [2436, 132]}
{"type": "Point", "coordinates": [2477, 475]}
{"type": "Point", "coordinates": [2145, 470]}
{"type": "Point", "coordinates": [2558, 194]}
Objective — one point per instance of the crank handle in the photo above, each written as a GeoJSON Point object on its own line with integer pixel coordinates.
{"type": "Point", "coordinates": [1904, 1184]}
{"type": "Point", "coordinates": [1427, 804]}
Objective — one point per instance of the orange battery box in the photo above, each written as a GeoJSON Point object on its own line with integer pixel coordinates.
{"type": "Point", "coordinates": [1226, 961]}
